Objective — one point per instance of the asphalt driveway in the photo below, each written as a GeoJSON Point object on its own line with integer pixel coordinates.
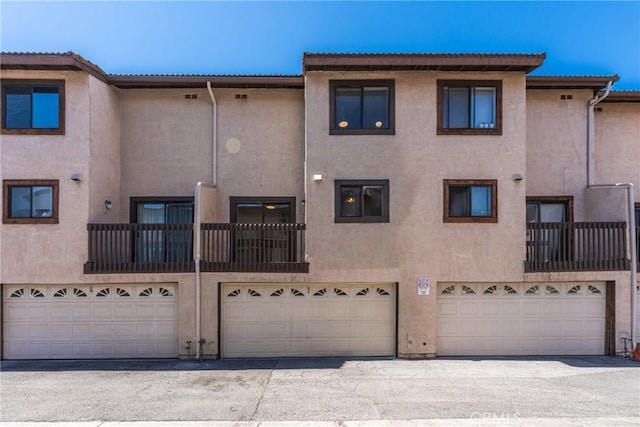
{"type": "Point", "coordinates": [484, 391]}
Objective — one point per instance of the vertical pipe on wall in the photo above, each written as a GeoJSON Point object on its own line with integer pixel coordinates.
{"type": "Point", "coordinates": [630, 205]}
{"type": "Point", "coordinates": [214, 141]}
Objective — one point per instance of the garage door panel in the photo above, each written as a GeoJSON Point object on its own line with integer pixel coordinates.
{"type": "Point", "coordinates": [61, 331]}
{"type": "Point", "coordinates": [85, 321]}
{"type": "Point", "coordinates": [532, 319]}
{"type": "Point", "coordinates": [309, 320]}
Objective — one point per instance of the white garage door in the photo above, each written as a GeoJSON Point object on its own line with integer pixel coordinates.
{"type": "Point", "coordinates": [82, 321]}
{"type": "Point", "coordinates": [304, 320]}
{"type": "Point", "coordinates": [521, 319]}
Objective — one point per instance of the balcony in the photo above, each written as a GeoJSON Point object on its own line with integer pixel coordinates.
{"type": "Point", "coordinates": [168, 248]}
{"type": "Point", "coordinates": [577, 246]}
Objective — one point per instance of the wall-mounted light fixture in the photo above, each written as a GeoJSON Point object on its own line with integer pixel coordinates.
{"type": "Point", "coordinates": [76, 176]}
{"type": "Point", "coordinates": [517, 177]}
{"type": "Point", "coordinates": [317, 177]}
{"type": "Point", "coordinates": [108, 204]}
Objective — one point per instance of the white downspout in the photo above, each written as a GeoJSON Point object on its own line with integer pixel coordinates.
{"type": "Point", "coordinates": [197, 226]}
{"type": "Point", "coordinates": [198, 257]}
{"type": "Point", "coordinates": [630, 204]}
{"type": "Point", "coordinates": [214, 139]}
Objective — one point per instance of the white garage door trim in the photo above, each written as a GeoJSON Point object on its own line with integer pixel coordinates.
{"type": "Point", "coordinates": [90, 321]}
{"type": "Point", "coordinates": [307, 320]}
{"type": "Point", "coordinates": [482, 319]}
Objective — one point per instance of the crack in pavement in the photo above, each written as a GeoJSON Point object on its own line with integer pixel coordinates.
{"type": "Point", "coordinates": [264, 388]}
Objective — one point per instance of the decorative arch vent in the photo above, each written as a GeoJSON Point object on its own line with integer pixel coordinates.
{"type": "Point", "coordinates": [60, 293]}
{"type": "Point", "coordinates": [103, 293]}
{"type": "Point", "coordinates": [277, 292]}
{"type": "Point", "coordinates": [467, 290]}
{"type": "Point", "coordinates": [575, 290]}
{"type": "Point", "coordinates": [594, 290]}
{"type": "Point", "coordinates": [122, 292]}
{"type": "Point", "coordinates": [339, 292]}
{"type": "Point", "coordinates": [363, 292]}
{"type": "Point", "coordinates": [449, 290]}
{"type": "Point", "coordinates": [36, 293]}
{"type": "Point", "coordinates": [320, 292]}
{"type": "Point", "coordinates": [254, 293]}
{"type": "Point", "coordinates": [296, 293]}
{"type": "Point", "coordinates": [551, 290]}
{"type": "Point", "coordinates": [382, 292]}
{"type": "Point", "coordinates": [234, 293]}
{"type": "Point", "coordinates": [146, 292]}
{"type": "Point", "coordinates": [510, 290]}
{"type": "Point", "coordinates": [164, 292]}
{"type": "Point", "coordinates": [491, 290]}
{"type": "Point", "coordinates": [18, 293]}
{"type": "Point", "coordinates": [534, 290]}
{"type": "Point", "coordinates": [79, 293]}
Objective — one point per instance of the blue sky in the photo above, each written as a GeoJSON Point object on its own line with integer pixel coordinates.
{"type": "Point", "coordinates": [212, 37]}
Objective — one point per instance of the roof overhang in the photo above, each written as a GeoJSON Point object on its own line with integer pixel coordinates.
{"type": "Point", "coordinates": [623, 96]}
{"type": "Point", "coordinates": [421, 61]}
{"type": "Point", "coordinates": [178, 81]}
{"type": "Point", "coordinates": [595, 83]}
{"type": "Point", "coordinates": [67, 61]}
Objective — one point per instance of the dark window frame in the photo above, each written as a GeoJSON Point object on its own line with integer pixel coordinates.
{"type": "Point", "coordinates": [334, 84]}
{"type": "Point", "coordinates": [60, 84]}
{"type": "Point", "coordinates": [134, 201]}
{"type": "Point", "coordinates": [497, 130]}
{"type": "Point", "coordinates": [234, 201]}
{"type": "Point", "coordinates": [567, 200]}
{"type": "Point", "coordinates": [493, 183]}
{"type": "Point", "coordinates": [384, 218]}
{"type": "Point", "coordinates": [7, 184]}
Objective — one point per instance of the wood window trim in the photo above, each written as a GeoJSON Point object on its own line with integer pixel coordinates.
{"type": "Point", "coordinates": [60, 84]}
{"type": "Point", "coordinates": [333, 84]}
{"type": "Point", "coordinates": [8, 183]}
{"type": "Point", "coordinates": [384, 218]}
{"type": "Point", "coordinates": [493, 183]}
{"type": "Point", "coordinates": [470, 83]}
{"type": "Point", "coordinates": [234, 201]}
{"type": "Point", "coordinates": [567, 200]}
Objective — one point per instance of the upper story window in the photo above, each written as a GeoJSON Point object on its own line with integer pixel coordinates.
{"type": "Point", "coordinates": [470, 200]}
{"type": "Point", "coordinates": [362, 107]}
{"type": "Point", "coordinates": [469, 107]}
{"type": "Point", "coordinates": [549, 209]}
{"type": "Point", "coordinates": [362, 200]}
{"type": "Point", "coordinates": [30, 201]}
{"type": "Point", "coordinates": [33, 106]}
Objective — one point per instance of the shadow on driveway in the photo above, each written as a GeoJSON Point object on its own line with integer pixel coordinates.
{"type": "Point", "coordinates": [281, 364]}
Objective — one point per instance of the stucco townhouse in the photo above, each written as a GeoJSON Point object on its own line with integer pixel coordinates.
{"type": "Point", "coordinates": [402, 205]}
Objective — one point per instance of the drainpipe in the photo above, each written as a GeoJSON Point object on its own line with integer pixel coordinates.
{"type": "Point", "coordinates": [214, 140]}
{"type": "Point", "coordinates": [630, 205]}
{"type": "Point", "coordinates": [197, 226]}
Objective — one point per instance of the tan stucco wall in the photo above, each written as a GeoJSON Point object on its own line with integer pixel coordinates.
{"type": "Point", "coordinates": [51, 253]}
{"type": "Point", "coordinates": [104, 168]}
{"type": "Point", "coordinates": [557, 151]}
{"type": "Point", "coordinates": [415, 242]}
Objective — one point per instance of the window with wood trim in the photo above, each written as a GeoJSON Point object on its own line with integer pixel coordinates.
{"type": "Point", "coordinates": [30, 201]}
{"type": "Point", "coordinates": [470, 200]}
{"type": "Point", "coordinates": [361, 107]}
{"type": "Point", "coordinates": [469, 107]}
{"type": "Point", "coordinates": [362, 200]}
{"type": "Point", "coordinates": [33, 107]}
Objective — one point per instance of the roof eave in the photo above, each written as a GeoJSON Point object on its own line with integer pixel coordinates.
{"type": "Point", "coordinates": [411, 62]}
{"type": "Point", "coordinates": [595, 83]}
{"type": "Point", "coordinates": [193, 82]}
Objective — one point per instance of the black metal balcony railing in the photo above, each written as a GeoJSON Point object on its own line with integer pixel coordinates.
{"type": "Point", "coordinates": [142, 248]}
{"type": "Point", "coordinates": [576, 246]}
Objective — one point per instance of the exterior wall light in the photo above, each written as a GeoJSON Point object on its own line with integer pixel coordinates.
{"type": "Point", "coordinates": [317, 177]}
{"type": "Point", "coordinates": [108, 204]}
